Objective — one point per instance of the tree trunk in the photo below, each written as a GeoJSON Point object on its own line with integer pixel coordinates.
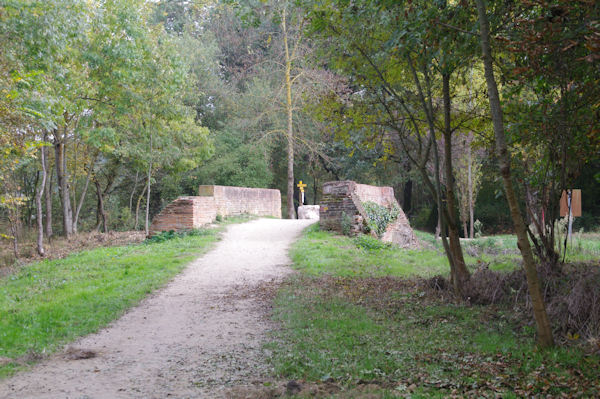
{"type": "Point", "coordinates": [82, 198]}
{"type": "Point", "coordinates": [63, 185]}
{"type": "Point", "coordinates": [470, 188]}
{"type": "Point", "coordinates": [137, 207]}
{"type": "Point", "coordinates": [38, 203]}
{"type": "Point", "coordinates": [48, 198]}
{"type": "Point", "coordinates": [545, 338]}
{"type": "Point", "coordinates": [290, 130]}
{"type": "Point", "coordinates": [137, 173]}
{"type": "Point", "coordinates": [315, 191]}
{"type": "Point", "coordinates": [14, 230]}
{"type": "Point", "coordinates": [461, 272]}
{"type": "Point", "coordinates": [453, 249]}
{"type": "Point", "coordinates": [407, 196]}
{"type": "Point", "coordinates": [147, 224]}
{"type": "Point", "coordinates": [101, 211]}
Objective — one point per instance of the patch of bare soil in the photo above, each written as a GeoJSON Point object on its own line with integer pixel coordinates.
{"type": "Point", "coordinates": [60, 247]}
{"type": "Point", "coordinates": [200, 337]}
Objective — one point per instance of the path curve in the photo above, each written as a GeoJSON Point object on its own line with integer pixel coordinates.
{"type": "Point", "coordinates": [196, 337]}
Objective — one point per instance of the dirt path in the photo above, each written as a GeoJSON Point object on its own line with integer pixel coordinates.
{"type": "Point", "coordinates": [195, 338]}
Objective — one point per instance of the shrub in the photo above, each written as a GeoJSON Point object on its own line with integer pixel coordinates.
{"type": "Point", "coordinates": [477, 227]}
{"type": "Point", "coordinates": [370, 243]}
{"type": "Point", "coordinates": [380, 216]}
{"type": "Point", "coordinates": [346, 224]}
{"type": "Point", "coordinates": [124, 220]}
{"type": "Point", "coordinates": [169, 235]}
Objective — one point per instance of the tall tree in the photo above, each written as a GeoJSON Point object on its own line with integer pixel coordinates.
{"type": "Point", "coordinates": [544, 329]}
{"type": "Point", "coordinates": [552, 64]}
{"type": "Point", "coordinates": [402, 70]}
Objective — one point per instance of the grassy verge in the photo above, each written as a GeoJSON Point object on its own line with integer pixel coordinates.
{"type": "Point", "coordinates": [47, 304]}
{"type": "Point", "coordinates": [353, 319]}
{"type": "Point", "coordinates": [320, 252]}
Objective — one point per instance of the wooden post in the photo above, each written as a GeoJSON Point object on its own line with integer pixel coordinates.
{"type": "Point", "coordinates": [301, 186]}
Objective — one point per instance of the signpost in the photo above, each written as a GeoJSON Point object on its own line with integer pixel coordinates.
{"type": "Point", "coordinates": [570, 204]}
{"type": "Point", "coordinates": [301, 186]}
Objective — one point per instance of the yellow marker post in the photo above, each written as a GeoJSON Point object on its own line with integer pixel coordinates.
{"type": "Point", "coordinates": [301, 186]}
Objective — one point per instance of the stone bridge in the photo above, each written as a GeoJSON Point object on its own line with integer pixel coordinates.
{"type": "Point", "coordinates": [186, 213]}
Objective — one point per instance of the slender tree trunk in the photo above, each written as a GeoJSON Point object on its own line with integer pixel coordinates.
{"type": "Point", "coordinates": [465, 229]}
{"type": "Point", "coordinates": [147, 224]}
{"type": "Point", "coordinates": [544, 330]}
{"type": "Point", "coordinates": [137, 173]}
{"type": "Point", "coordinates": [31, 207]}
{"type": "Point", "coordinates": [458, 272]}
{"type": "Point", "coordinates": [48, 198]}
{"type": "Point", "coordinates": [63, 185]}
{"type": "Point", "coordinates": [290, 128]}
{"type": "Point", "coordinates": [14, 231]}
{"type": "Point", "coordinates": [82, 198]}
{"type": "Point", "coordinates": [137, 207]}
{"type": "Point", "coordinates": [38, 203]}
{"type": "Point", "coordinates": [101, 211]}
{"type": "Point", "coordinates": [462, 273]}
{"type": "Point", "coordinates": [470, 188]}
{"type": "Point", "coordinates": [407, 196]}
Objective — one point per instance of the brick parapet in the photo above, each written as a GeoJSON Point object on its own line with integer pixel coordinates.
{"type": "Point", "coordinates": [347, 197]}
{"type": "Point", "coordinates": [192, 212]}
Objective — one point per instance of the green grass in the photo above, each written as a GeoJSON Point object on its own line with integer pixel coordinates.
{"type": "Point", "coordinates": [350, 317]}
{"type": "Point", "coordinates": [50, 303]}
{"type": "Point", "coordinates": [318, 253]}
{"type": "Point", "coordinates": [330, 334]}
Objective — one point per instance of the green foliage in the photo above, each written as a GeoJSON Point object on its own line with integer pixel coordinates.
{"type": "Point", "coordinates": [379, 216]}
{"type": "Point", "coordinates": [236, 163]}
{"type": "Point", "coordinates": [346, 224]}
{"type": "Point", "coordinates": [123, 221]}
{"type": "Point", "coordinates": [370, 243]}
{"type": "Point", "coordinates": [477, 228]}
{"type": "Point", "coordinates": [171, 234]}
{"type": "Point", "coordinates": [50, 303]}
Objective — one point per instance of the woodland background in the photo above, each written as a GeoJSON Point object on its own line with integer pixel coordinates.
{"type": "Point", "coordinates": [111, 109]}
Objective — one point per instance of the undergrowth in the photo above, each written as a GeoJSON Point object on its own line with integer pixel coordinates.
{"type": "Point", "coordinates": [379, 217]}
{"type": "Point", "coordinates": [171, 234]}
{"type": "Point", "coordinates": [391, 333]}
{"type": "Point", "coordinates": [360, 313]}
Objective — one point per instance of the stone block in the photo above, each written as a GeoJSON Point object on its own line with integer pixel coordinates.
{"type": "Point", "coordinates": [308, 212]}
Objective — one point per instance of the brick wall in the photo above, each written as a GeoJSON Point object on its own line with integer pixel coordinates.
{"type": "Point", "coordinates": [383, 196]}
{"type": "Point", "coordinates": [239, 200]}
{"type": "Point", "coordinates": [339, 199]}
{"type": "Point", "coordinates": [186, 213]}
{"type": "Point", "coordinates": [346, 197]}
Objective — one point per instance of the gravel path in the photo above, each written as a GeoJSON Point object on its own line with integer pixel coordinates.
{"type": "Point", "coordinates": [196, 338]}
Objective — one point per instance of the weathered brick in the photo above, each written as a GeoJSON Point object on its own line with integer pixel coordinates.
{"type": "Point", "coordinates": [186, 213]}
{"type": "Point", "coordinates": [347, 197]}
